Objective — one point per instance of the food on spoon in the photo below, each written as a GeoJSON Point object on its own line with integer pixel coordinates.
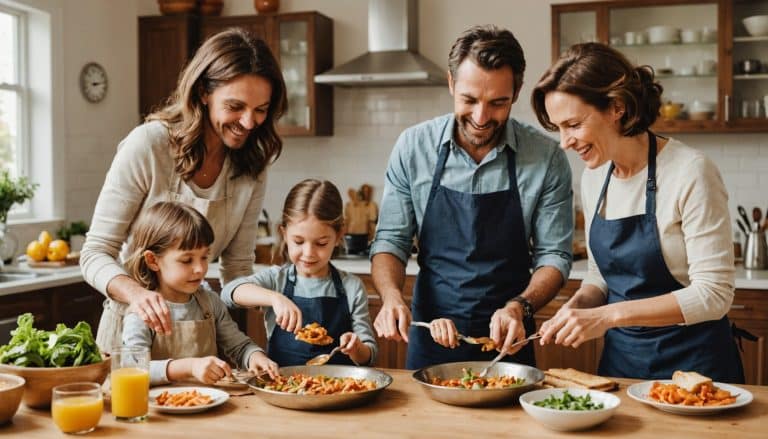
{"type": "Point", "coordinates": [191, 398]}
{"type": "Point", "coordinates": [469, 380]}
{"type": "Point", "coordinates": [575, 378]}
{"type": "Point", "coordinates": [313, 333]}
{"type": "Point", "coordinates": [690, 388]}
{"type": "Point", "coordinates": [569, 402]}
{"type": "Point", "coordinates": [317, 385]}
{"type": "Point", "coordinates": [487, 342]}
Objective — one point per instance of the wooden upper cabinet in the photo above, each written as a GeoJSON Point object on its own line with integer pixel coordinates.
{"type": "Point", "coordinates": [259, 25]}
{"type": "Point", "coordinates": [165, 45]}
{"type": "Point", "coordinates": [695, 58]}
{"type": "Point", "coordinates": [302, 42]}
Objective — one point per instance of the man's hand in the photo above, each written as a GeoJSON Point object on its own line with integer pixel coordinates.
{"type": "Point", "coordinates": [444, 332]}
{"type": "Point", "coordinates": [507, 327]}
{"type": "Point", "coordinates": [393, 321]}
{"type": "Point", "coordinates": [153, 310]}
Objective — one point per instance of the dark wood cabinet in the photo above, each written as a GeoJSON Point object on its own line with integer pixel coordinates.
{"type": "Point", "coordinates": [302, 42]}
{"type": "Point", "coordinates": [165, 44]}
{"type": "Point", "coordinates": [749, 312]}
{"type": "Point", "coordinates": [695, 56]}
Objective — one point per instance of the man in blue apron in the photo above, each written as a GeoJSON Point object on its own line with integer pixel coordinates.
{"type": "Point", "coordinates": [489, 199]}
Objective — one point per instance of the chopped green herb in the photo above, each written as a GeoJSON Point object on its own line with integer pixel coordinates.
{"type": "Point", "coordinates": [569, 402]}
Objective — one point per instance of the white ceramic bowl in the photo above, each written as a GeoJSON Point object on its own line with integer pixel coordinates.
{"type": "Point", "coordinates": [757, 25]}
{"type": "Point", "coordinates": [663, 34]}
{"type": "Point", "coordinates": [568, 420]}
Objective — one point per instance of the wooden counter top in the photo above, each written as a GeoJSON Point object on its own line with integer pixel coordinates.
{"type": "Point", "coordinates": [403, 410]}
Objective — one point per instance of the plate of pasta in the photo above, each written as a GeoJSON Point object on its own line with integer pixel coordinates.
{"type": "Point", "coordinates": [326, 387]}
{"type": "Point", "coordinates": [668, 396]}
{"type": "Point", "coordinates": [185, 400]}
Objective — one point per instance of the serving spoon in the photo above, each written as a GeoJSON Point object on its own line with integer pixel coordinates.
{"type": "Point", "coordinates": [323, 358]}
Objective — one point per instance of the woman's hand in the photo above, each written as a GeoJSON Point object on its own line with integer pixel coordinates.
{"type": "Point", "coordinates": [574, 326]}
{"type": "Point", "coordinates": [259, 362]}
{"type": "Point", "coordinates": [287, 314]}
{"type": "Point", "coordinates": [352, 346]}
{"type": "Point", "coordinates": [444, 332]}
{"type": "Point", "coordinates": [210, 369]}
{"type": "Point", "coordinates": [152, 309]}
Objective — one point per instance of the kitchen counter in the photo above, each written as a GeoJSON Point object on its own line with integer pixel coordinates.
{"type": "Point", "coordinates": [53, 277]}
{"type": "Point", "coordinates": [403, 410]}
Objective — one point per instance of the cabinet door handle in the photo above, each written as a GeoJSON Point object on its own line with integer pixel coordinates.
{"type": "Point", "coordinates": [738, 307]}
{"type": "Point", "coordinates": [8, 320]}
{"type": "Point", "coordinates": [561, 298]}
{"type": "Point", "coordinates": [727, 108]}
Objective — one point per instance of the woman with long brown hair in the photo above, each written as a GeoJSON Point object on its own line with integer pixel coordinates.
{"type": "Point", "coordinates": [209, 147]}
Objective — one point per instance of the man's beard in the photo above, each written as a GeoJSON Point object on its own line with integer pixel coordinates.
{"type": "Point", "coordinates": [476, 141]}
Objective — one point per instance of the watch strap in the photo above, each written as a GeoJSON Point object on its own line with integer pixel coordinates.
{"type": "Point", "coordinates": [526, 305]}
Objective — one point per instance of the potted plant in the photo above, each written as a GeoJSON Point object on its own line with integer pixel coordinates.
{"type": "Point", "coordinates": [12, 191]}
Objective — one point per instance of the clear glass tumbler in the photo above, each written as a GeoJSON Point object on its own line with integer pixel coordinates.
{"type": "Point", "coordinates": [76, 407]}
{"type": "Point", "coordinates": [130, 383]}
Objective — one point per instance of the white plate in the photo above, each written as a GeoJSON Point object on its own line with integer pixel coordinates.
{"type": "Point", "coordinates": [640, 392]}
{"type": "Point", "coordinates": [218, 397]}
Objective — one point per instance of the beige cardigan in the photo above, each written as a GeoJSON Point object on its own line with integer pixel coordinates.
{"type": "Point", "coordinates": [141, 175]}
{"type": "Point", "coordinates": [693, 221]}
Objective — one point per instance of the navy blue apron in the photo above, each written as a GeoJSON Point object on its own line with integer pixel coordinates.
{"type": "Point", "coordinates": [331, 312]}
{"type": "Point", "coordinates": [628, 253]}
{"type": "Point", "coordinates": [473, 258]}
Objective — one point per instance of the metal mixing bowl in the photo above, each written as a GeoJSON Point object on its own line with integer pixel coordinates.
{"type": "Point", "coordinates": [479, 397]}
{"type": "Point", "coordinates": [324, 402]}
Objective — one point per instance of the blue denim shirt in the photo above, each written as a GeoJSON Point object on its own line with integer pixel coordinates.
{"type": "Point", "coordinates": [543, 179]}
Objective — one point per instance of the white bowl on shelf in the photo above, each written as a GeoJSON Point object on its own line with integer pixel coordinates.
{"type": "Point", "coordinates": [756, 25]}
{"type": "Point", "coordinates": [663, 34]}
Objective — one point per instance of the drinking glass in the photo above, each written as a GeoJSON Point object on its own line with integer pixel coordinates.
{"type": "Point", "coordinates": [130, 383]}
{"type": "Point", "coordinates": [76, 407]}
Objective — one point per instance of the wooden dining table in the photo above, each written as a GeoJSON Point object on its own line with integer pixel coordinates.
{"type": "Point", "coordinates": [404, 410]}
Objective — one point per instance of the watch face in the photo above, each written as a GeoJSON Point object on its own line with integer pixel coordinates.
{"type": "Point", "coordinates": [93, 82]}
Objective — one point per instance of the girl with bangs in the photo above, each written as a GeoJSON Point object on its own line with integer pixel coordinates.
{"type": "Point", "coordinates": [169, 255]}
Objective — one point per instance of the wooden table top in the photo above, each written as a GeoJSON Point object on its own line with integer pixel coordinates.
{"type": "Point", "coordinates": [403, 410]}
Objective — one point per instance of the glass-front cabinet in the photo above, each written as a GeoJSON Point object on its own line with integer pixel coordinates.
{"type": "Point", "coordinates": [714, 69]}
{"type": "Point", "coordinates": [304, 43]}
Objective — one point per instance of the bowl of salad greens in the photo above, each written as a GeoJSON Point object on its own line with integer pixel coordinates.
{"type": "Point", "coordinates": [569, 409]}
{"type": "Point", "coordinates": [46, 359]}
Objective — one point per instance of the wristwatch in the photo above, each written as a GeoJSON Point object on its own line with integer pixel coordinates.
{"type": "Point", "coordinates": [527, 307]}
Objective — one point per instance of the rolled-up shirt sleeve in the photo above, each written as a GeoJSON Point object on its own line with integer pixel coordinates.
{"type": "Point", "coordinates": [553, 218]}
{"type": "Point", "coordinates": [397, 218]}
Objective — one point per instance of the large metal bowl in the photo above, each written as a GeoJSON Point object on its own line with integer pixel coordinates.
{"type": "Point", "coordinates": [479, 397]}
{"type": "Point", "coordinates": [324, 402]}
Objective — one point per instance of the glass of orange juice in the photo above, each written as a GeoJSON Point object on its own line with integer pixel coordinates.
{"type": "Point", "coordinates": [129, 380]}
{"type": "Point", "coordinates": [76, 407]}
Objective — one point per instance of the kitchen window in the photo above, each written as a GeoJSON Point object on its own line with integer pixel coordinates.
{"type": "Point", "coordinates": [14, 145]}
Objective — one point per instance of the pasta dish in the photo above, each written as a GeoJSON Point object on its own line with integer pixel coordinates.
{"type": "Point", "coordinates": [471, 381]}
{"type": "Point", "coordinates": [318, 385]}
{"type": "Point", "coordinates": [707, 395]}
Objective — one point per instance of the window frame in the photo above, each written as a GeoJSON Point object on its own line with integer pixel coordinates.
{"type": "Point", "coordinates": [21, 88]}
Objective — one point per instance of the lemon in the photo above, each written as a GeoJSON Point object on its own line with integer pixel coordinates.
{"type": "Point", "coordinates": [58, 250]}
{"type": "Point", "coordinates": [45, 238]}
{"type": "Point", "coordinates": [36, 251]}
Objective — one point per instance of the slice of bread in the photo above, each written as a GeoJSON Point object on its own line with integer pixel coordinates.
{"type": "Point", "coordinates": [576, 378]}
{"type": "Point", "coordinates": [690, 381]}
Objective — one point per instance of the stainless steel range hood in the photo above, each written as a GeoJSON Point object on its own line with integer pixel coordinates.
{"type": "Point", "coordinates": [391, 59]}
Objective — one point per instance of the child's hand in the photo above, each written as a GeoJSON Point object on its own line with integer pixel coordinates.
{"type": "Point", "coordinates": [444, 332]}
{"type": "Point", "coordinates": [259, 362]}
{"type": "Point", "coordinates": [208, 370]}
{"type": "Point", "coordinates": [287, 314]}
{"type": "Point", "coordinates": [357, 350]}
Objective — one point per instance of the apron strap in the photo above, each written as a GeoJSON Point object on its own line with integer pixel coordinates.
{"type": "Point", "coordinates": [290, 282]}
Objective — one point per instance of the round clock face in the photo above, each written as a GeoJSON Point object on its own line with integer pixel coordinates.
{"type": "Point", "coordinates": [93, 82]}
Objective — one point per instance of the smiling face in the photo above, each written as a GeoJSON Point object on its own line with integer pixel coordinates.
{"type": "Point", "coordinates": [482, 100]}
{"type": "Point", "coordinates": [591, 133]}
{"type": "Point", "coordinates": [310, 243]}
{"type": "Point", "coordinates": [179, 272]}
{"type": "Point", "coordinates": [235, 109]}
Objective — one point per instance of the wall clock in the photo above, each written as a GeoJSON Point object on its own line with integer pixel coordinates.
{"type": "Point", "coordinates": [93, 82]}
